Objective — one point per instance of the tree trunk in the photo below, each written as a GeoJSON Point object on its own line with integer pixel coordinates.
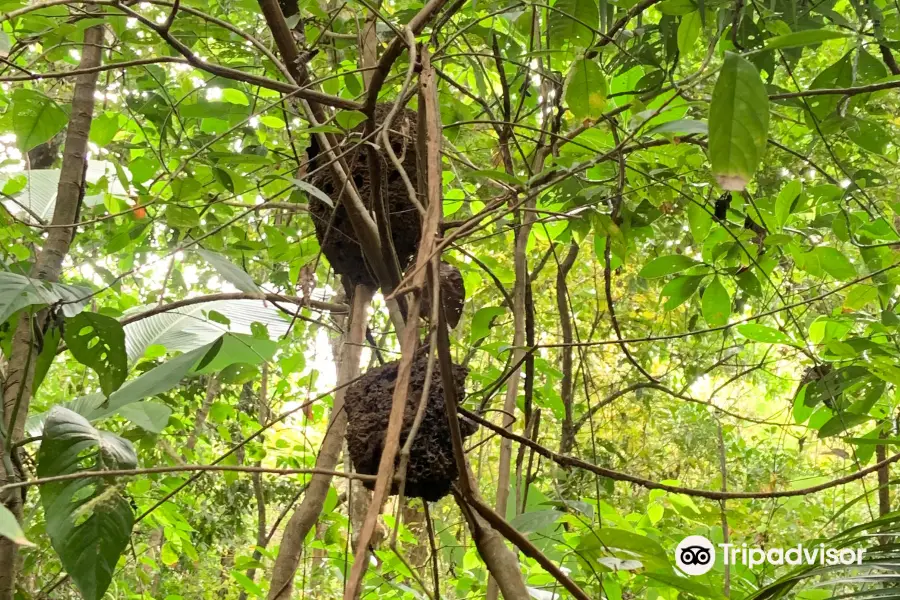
{"type": "Point", "coordinates": [308, 512]}
{"type": "Point", "coordinates": [212, 390]}
{"type": "Point", "coordinates": [501, 562]}
{"type": "Point", "coordinates": [567, 438]}
{"type": "Point", "coordinates": [512, 386]}
{"type": "Point", "coordinates": [47, 266]}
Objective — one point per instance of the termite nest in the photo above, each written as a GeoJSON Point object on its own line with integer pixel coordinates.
{"type": "Point", "coordinates": [334, 229]}
{"type": "Point", "coordinates": [453, 295]}
{"type": "Point", "coordinates": [432, 467]}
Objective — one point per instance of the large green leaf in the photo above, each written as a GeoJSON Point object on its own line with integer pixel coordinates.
{"type": "Point", "coordinates": [738, 123]}
{"type": "Point", "coordinates": [784, 203]}
{"type": "Point", "coordinates": [716, 304]}
{"type": "Point", "coordinates": [763, 333]}
{"type": "Point", "coordinates": [35, 118]}
{"type": "Point", "coordinates": [89, 521]}
{"type": "Point", "coordinates": [571, 22]}
{"type": "Point", "coordinates": [679, 290]}
{"type": "Point", "coordinates": [835, 263]}
{"type": "Point", "coordinates": [18, 291]}
{"type": "Point", "coordinates": [841, 422]}
{"type": "Point", "coordinates": [230, 271]}
{"type": "Point", "coordinates": [481, 322]}
{"type": "Point", "coordinates": [807, 37]}
{"type": "Point", "coordinates": [10, 528]}
{"type": "Point", "coordinates": [667, 265]}
{"type": "Point", "coordinates": [98, 341]}
{"type": "Point", "coordinates": [689, 31]}
{"type": "Point", "coordinates": [685, 584]}
{"type": "Point", "coordinates": [586, 89]}
{"type": "Point", "coordinates": [191, 327]}
{"type": "Point", "coordinates": [158, 380]}
{"type": "Point", "coordinates": [623, 544]}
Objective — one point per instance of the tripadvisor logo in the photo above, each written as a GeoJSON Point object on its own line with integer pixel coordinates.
{"type": "Point", "coordinates": [696, 555]}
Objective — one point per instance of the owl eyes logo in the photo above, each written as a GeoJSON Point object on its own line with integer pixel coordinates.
{"type": "Point", "coordinates": [695, 555]}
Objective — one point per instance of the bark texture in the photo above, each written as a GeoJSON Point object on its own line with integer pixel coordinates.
{"type": "Point", "coordinates": [47, 266]}
{"type": "Point", "coordinates": [306, 515]}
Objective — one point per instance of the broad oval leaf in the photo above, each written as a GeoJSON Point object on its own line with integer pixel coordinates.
{"type": "Point", "coordinates": [688, 32]}
{"type": "Point", "coordinates": [667, 265]}
{"type": "Point", "coordinates": [573, 21]}
{"type": "Point", "coordinates": [98, 342]}
{"type": "Point", "coordinates": [807, 37]}
{"type": "Point", "coordinates": [835, 263]}
{"type": "Point", "coordinates": [35, 118]}
{"type": "Point", "coordinates": [88, 520]}
{"type": "Point", "coordinates": [763, 333]}
{"type": "Point", "coordinates": [679, 290]}
{"type": "Point", "coordinates": [716, 304]}
{"type": "Point", "coordinates": [586, 89]}
{"type": "Point", "coordinates": [738, 123]}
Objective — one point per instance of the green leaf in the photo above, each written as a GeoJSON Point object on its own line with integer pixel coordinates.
{"type": "Point", "coordinates": [716, 304]}
{"type": "Point", "coordinates": [223, 177]}
{"type": "Point", "coordinates": [835, 263]}
{"type": "Point", "coordinates": [535, 520]}
{"type": "Point", "coordinates": [18, 291]}
{"type": "Point", "coordinates": [10, 529]}
{"type": "Point", "coordinates": [748, 282]}
{"type": "Point", "coordinates": [158, 380]}
{"type": "Point", "coordinates": [840, 423]}
{"type": "Point", "coordinates": [860, 295]}
{"type": "Point", "coordinates": [234, 96]}
{"type": "Point", "coordinates": [667, 265]}
{"type": "Point", "coordinates": [230, 271]}
{"type": "Point", "coordinates": [831, 387]}
{"type": "Point", "coordinates": [249, 586]}
{"type": "Point", "coordinates": [104, 128]}
{"type": "Point", "coordinates": [151, 416]}
{"type": "Point", "coordinates": [682, 127]}
{"type": "Point", "coordinates": [738, 123]}
{"type": "Point", "coordinates": [688, 32]}
{"type": "Point", "coordinates": [684, 584]}
{"type": "Point", "coordinates": [35, 118]}
{"type": "Point", "coordinates": [807, 37]}
{"type": "Point", "coordinates": [314, 191]}
{"type": "Point", "coordinates": [679, 290]}
{"type": "Point", "coordinates": [89, 522]}
{"type": "Point", "coordinates": [481, 322]}
{"type": "Point", "coordinates": [52, 337]}
{"type": "Point", "coordinates": [763, 333]}
{"type": "Point", "coordinates": [700, 222]}
{"type": "Point", "coordinates": [612, 538]}
{"type": "Point", "coordinates": [577, 31]}
{"type": "Point", "coordinates": [785, 201]}
{"type": "Point", "coordinates": [586, 89]}
{"type": "Point", "coordinates": [868, 135]}
{"type": "Point", "coordinates": [676, 8]}
{"type": "Point", "coordinates": [348, 119]}
{"type": "Point", "coordinates": [239, 349]}
{"type": "Point", "coordinates": [179, 217]}
{"type": "Point", "coordinates": [98, 341]}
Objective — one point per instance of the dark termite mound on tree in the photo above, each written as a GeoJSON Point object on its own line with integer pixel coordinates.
{"type": "Point", "coordinates": [333, 227]}
{"type": "Point", "coordinates": [432, 467]}
{"type": "Point", "coordinates": [453, 295]}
